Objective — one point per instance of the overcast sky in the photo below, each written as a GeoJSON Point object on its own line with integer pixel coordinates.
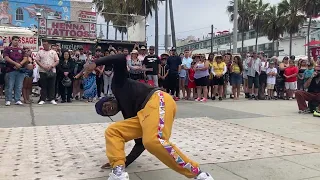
{"type": "Point", "coordinates": [194, 18]}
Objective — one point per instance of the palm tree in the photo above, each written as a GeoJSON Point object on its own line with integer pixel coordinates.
{"type": "Point", "coordinates": [272, 25]}
{"type": "Point", "coordinates": [113, 10]}
{"type": "Point", "coordinates": [311, 8]}
{"type": "Point", "coordinates": [259, 11]}
{"type": "Point", "coordinates": [245, 15]}
{"type": "Point", "coordinates": [293, 18]}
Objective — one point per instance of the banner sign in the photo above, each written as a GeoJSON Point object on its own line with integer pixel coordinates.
{"type": "Point", "coordinates": [25, 41]}
{"type": "Point", "coordinates": [87, 17]}
{"type": "Point", "coordinates": [68, 29]}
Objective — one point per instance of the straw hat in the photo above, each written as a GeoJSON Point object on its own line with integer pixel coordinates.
{"type": "Point", "coordinates": [134, 52]}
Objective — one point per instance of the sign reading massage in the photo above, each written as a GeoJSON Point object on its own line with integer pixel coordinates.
{"type": "Point", "coordinates": [56, 28]}
{"type": "Point", "coordinates": [24, 41]}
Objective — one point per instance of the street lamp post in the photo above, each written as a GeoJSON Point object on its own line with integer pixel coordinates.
{"type": "Point", "coordinates": [38, 14]}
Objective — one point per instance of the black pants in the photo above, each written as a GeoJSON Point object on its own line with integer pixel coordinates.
{"type": "Point", "coordinates": [47, 85]}
{"type": "Point", "coordinates": [99, 82]}
{"type": "Point", "coordinates": [65, 92]}
{"type": "Point", "coordinates": [173, 84]}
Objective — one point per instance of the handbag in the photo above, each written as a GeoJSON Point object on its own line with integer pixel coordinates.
{"type": "Point", "coordinates": [50, 74]}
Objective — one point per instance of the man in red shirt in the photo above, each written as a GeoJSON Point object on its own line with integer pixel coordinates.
{"type": "Point", "coordinates": [291, 79]}
{"type": "Point", "coordinates": [15, 59]}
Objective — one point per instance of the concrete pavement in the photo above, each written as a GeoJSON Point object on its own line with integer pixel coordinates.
{"type": "Point", "coordinates": [231, 140]}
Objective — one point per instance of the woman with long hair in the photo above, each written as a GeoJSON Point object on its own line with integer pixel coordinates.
{"type": "Point", "coordinates": [302, 65]}
{"type": "Point", "coordinates": [236, 78]}
{"type": "Point", "coordinates": [201, 78]}
{"type": "Point", "coordinates": [280, 80]}
{"type": "Point", "coordinates": [77, 82]}
{"type": "Point", "coordinates": [66, 69]}
{"type": "Point", "coordinates": [27, 82]}
{"type": "Point", "coordinates": [210, 83]}
{"type": "Point", "coordinates": [219, 69]}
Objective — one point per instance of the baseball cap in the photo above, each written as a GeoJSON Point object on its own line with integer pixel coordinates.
{"type": "Point", "coordinates": [173, 49]}
{"type": "Point", "coordinates": [143, 48]}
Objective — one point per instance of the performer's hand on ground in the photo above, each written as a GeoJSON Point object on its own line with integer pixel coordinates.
{"type": "Point", "coordinates": [106, 166]}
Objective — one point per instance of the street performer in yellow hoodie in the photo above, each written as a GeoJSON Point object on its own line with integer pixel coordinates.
{"type": "Point", "coordinates": [149, 114]}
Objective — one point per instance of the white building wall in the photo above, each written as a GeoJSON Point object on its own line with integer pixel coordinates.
{"type": "Point", "coordinates": [298, 47]}
{"type": "Point", "coordinates": [137, 31]}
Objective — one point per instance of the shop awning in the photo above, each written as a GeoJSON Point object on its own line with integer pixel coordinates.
{"type": "Point", "coordinates": [313, 43]}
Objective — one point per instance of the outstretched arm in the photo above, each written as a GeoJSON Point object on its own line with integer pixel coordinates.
{"type": "Point", "coordinates": [136, 151]}
{"type": "Point", "coordinates": [118, 59]}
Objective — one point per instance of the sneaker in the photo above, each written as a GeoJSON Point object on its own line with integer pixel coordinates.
{"type": "Point", "coordinates": [41, 102]}
{"type": "Point", "coordinates": [220, 98]}
{"type": "Point", "coordinates": [8, 103]}
{"type": "Point", "coordinates": [307, 111]}
{"type": "Point", "coordinates": [53, 102]}
{"type": "Point", "coordinates": [198, 99]}
{"type": "Point", "coordinates": [203, 100]}
{"type": "Point", "coordinates": [316, 114]}
{"type": "Point", "coordinates": [123, 176]}
{"type": "Point", "coordinates": [18, 103]}
{"type": "Point", "coordinates": [204, 176]}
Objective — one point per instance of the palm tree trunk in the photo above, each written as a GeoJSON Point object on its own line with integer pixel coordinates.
{"type": "Point", "coordinates": [115, 34]}
{"type": "Point", "coordinates": [277, 48]}
{"type": "Point", "coordinates": [173, 31]}
{"type": "Point", "coordinates": [257, 34]}
{"type": "Point", "coordinates": [273, 47]}
{"type": "Point", "coordinates": [309, 27]}
{"type": "Point", "coordinates": [290, 45]}
{"type": "Point", "coordinates": [242, 42]}
{"type": "Point", "coordinates": [156, 29]}
{"type": "Point", "coordinates": [122, 36]}
{"type": "Point", "coordinates": [107, 36]}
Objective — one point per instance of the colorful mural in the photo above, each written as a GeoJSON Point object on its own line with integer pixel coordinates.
{"type": "Point", "coordinates": [23, 13]}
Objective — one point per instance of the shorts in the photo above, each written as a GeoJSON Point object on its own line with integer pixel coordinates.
{"type": "Point", "coordinates": [218, 81]}
{"type": "Point", "coordinates": [291, 85]}
{"type": "Point", "coordinates": [202, 81]}
{"type": "Point", "coordinates": [236, 79]}
{"type": "Point", "coordinates": [253, 81]}
{"type": "Point", "coordinates": [270, 86]}
{"type": "Point", "coordinates": [162, 83]}
{"type": "Point", "coordinates": [263, 78]}
{"type": "Point", "coordinates": [185, 79]}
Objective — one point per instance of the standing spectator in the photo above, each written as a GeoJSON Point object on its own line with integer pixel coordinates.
{"type": "Point", "coordinates": [135, 66]}
{"type": "Point", "coordinates": [126, 51]}
{"type": "Point", "coordinates": [219, 68]}
{"type": "Point", "coordinates": [291, 79]}
{"type": "Point", "coordinates": [271, 79]}
{"type": "Point", "coordinates": [119, 51]}
{"type": "Point", "coordinates": [27, 82]}
{"type": "Point", "coordinates": [201, 78]}
{"type": "Point", "coordinates": [313, 93]}
{"type": "Point", "coordinates": [303, 66]}
{"type": "Point", "coordinates": [163, 72]}
{"type": "Point", "coordinates": [89, 82]}
{"type": "Point", "coordinates": [245, 76]}
{"type": "Point", "coordinates": [15, 59]}
{"type": "Point", "coordinates": [142, 53]}
{"type": "Point", "coordinates": [228, 61]}
{"type": "Point", "coordinates": [107, 78]}
{"type": "Point", "coordinates": [280, 80]}
{"type": "Point", "coordinates": [66, 70]}
{"type": "Point", "coordinates": [99, 74]}
{"type": "Point", "coordinates": [210, 83]}
{"type": "Point", "coordinates": [263, 77]}
{"type": "Point", "coordinates": [47, 60]}
{"type": "Point", "coordinates": [2, 75]}
{"type": "Point", "coordinates": [80, 60]}
{"type": "Point", "coordinates": [236, 78]}
{"type": "Point", "coordinates": [191, 83]}
{"type": "Point", "coordinates": [308, 72]}
{"type": "Point", "coordinates": [254, 70]}
{"type": "Point", "coordinates": [174, 64]}
{"type": "Point", "coordinates": [183, 80]}
{"type": "Point", "coordinates": [152, 61]}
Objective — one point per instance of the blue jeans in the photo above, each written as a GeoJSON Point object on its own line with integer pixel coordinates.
{"type": "Point", "coordinates": [14, 81]}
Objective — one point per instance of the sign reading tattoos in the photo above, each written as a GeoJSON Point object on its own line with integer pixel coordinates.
{"type": "Point", "coordinates": [56, 28]}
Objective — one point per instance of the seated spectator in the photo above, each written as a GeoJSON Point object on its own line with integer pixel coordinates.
{"type": "Point", "coordinates": [313, 93]}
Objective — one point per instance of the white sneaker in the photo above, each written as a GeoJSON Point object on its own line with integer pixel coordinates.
{"type": "Point", "coordinates": [53, 102]}
{"type": "Point", "coordinates": [204, 176]}
{"type": "Point", "coordinates": [41, 102]}
{"type": "Point", "coordinates": [19, 103]}
{"type": "Point", "coordinates": [8, 103]}
{"type": "Point", "coordinates": [124, 176]}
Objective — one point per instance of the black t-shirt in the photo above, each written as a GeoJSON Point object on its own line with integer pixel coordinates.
{"type": "Point", "coordinates": [314, 87]}
{"type": "Point", "coordinates": [152, 61]}
{"type": "Point", "coordinates": [129, 93]}
{"type": "Point", "coordinates": [173, 63]}
{"type": "Point", "coordinates": [163, 69]}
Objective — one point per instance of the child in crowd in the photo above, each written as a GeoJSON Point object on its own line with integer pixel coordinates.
{"type": "Point", "coordinates": [290, 74]}
{"type": "Point", "coordinates": [271, 79]}
{"type": "Point", "coordinates": [191, 83]}
{"type": "Point", "coordinates": [163, 73]}
{"type": "Point", "coordinates": [236, 78]}
{"type": "Point", "coordinates": [308, 72]}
